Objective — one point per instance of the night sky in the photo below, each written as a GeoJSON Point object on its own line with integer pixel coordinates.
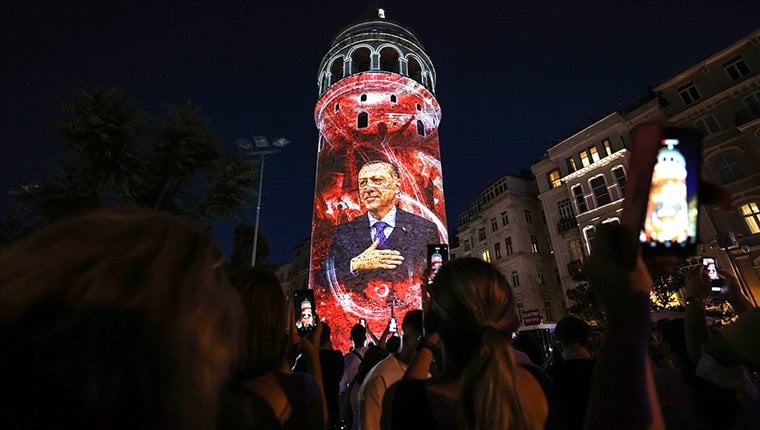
{"type": "Point", "coordinates": [513, 77]}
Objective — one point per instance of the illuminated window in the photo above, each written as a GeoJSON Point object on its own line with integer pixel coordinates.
{"type": "Point", "coordinates": [689, 93]}
{"type": "Point", "coordinates": [420, 128]}
{"type": "Point", "coordinates": [607, 147]}
{"type": "Point", "coordinates": [576, 252]}
{"type": "Point", "coordinates": [528, 217]}
{"type": "Point", "coordinates": [515, 279]}
{"type": "Point", "coordinates": [393, 98]}
{"type": "Point", "coordinates": [533, 244]}
{"type": "Point", "coordinates": [362, 121]}
{"type": "Point", "coordinates": [481, 234]}
{"type": "Point", "coordinates": [751, 214]}
{"type": "Point", "coordinates": [494, 224]}
{"type": "Point", "coordinates": [707, 125]}
{"type": "Point", "coordinates": [571, 165]}
{"type": "Point", "coordinates": [504, 218]}
{"type": "Point", "coordinates": [736, 68]}
{"type": "Point", "coordinates": [619, 175]}
{"type": "Point", "coordinates": [363, 97]}
{"type": "Point", "coordinates": [497, 250]}
{"type": "Point", "coordinates": [601, 194]}
{"type": "Point", "coordinates": [594, 153]}
{"type": "Point", "coordinates": [580, 200]}
{"type": "Point", "coordinates": [554, 180]}
{"type": "Point", "coordinates": [508, 244]}
{"type": "Point", "coordinates": [486, 256]}
{"type": "Point", "coordinates": [584, 159]}
{"type": "Point", "coordinates": [729, 167]}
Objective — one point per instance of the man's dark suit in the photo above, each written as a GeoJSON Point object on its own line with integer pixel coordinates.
{"type": "Point", "coordinates": [410, 237]}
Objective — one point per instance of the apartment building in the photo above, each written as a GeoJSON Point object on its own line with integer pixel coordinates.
{"type": "Point", "coordinates": [505, 225]}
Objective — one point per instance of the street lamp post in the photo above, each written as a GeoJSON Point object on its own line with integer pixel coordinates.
{"type": "Point", "coordinates": [259, 147]}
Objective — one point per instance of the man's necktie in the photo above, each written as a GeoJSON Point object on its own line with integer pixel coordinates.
{"type": "Point", "coordinates": [380, 234]}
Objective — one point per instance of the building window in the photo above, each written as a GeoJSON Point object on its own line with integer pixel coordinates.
{"type": "Point", "coordinates": [549, 245]}
{"type": "Point", "coordinates": [584, 159]}
{"type": "Point", "coordinates": [393, 98]}
{"type": "Point", "coordinates": [515, 279]}
{"type": "Point", "coordinates": [689, 93]}
{"type": "Point", "coordinates": [362, 121]}
{"type": "Point", "coordinates": [707, 125]}
{"type": "Point", "coordinates": [556, 276]}
{"type": "Point", "coordinates": [419, 107]}
{"type": "Point", "coordinates": [497, 250]}
{"type": "Point", "coordinates": [607, 147]}
{"type": "Point", "coordinates": [579, 199]}
{"type": "Point", "coordinates": [565, 210]}
{"type": "Point", "coordinates": [467, 245]}
{"type": "Point", "coordinates": [590, 234]}
{"type": "Point", "coordinates": [752, 100]}
{"type": "Point", "coordinates": [541, 279]}
{"type": "Point", "coordinates": [548, 310]}
{"type": "Point", "coordinates": [481, 234]}
{"type": "Point", "coordinates": [533, 244]}
{"type": "Point", "coordinates": [420, 128]}
{"type": "Point", "coordinates": [504, 218]}
{"type": "Point", "coordinates": [576, 252]}
{"type": "Point", "coordinates": [508, 246]}
{"type": "Point", "coordinates": [729, 168]}
{"type": "Point", "coordinates": [601, 194]}
{"type": "Point", "coordinates": [528, 217]}
{"type": "Point", "coordinates": [337, 107]}
{"type": "Point", "coordinates": [486, 256]}
{"type": "Point", "coordinates": [363, 97]}
{"type": "Point", "coordinates": [751, 214]}
{"type": "Point", "coordinates": [619, 175]}
{"type": "Point", "coordinates": [571, 165]}
{"type": "Point", "coordinates": [593, 153]}
{"type": "Point", "coordinates": [554, 180]}
{"type": "Point", "coordinates": [736, 68]}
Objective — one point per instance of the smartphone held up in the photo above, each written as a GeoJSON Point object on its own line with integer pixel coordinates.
{"type": "Point", "coordinates": [305, 311]}
{"type": "Point", "coordinates": [671, 217]}
{"type": "Point", "coordinates": [716, 282]}
{"type": "Point", "coordinates": [437, 254]}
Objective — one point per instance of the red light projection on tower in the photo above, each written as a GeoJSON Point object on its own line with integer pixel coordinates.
{"type": "Point", "coordinates": [378, 159]}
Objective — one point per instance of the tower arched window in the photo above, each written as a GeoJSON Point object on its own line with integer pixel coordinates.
{"type": "Point", "coordinates": [363, 97]}
{"type": "Point", "coordinates": [362, 120]}
{"type": "Point", "coordinates": [389, 60]}
{"type": "Point", "coordinates": [393, 98]}
{"type": "Point", "coordinates": [420, 128]}
{"type": "Point", "coordinates": [360, 60]}
{"type": "Point", "coordinates": [415, 69]}
{"type": "Point", "coordinates": [336, 70]}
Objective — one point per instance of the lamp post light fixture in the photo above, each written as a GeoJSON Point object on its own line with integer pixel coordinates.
{"type": "Point", "coordinates": [260, 147]}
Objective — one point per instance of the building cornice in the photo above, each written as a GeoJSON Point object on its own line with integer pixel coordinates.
{"type": "Point", "coordinates": [595, 165]}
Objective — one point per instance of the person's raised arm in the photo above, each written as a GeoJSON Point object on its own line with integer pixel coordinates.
{"type": "Point", "coordinates": [622, 391]}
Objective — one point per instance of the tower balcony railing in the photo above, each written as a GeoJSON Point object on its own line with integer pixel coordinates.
{"type": "Point", "coordinates": [566, 224]}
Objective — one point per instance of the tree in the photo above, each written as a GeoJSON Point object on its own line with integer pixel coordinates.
{"type": "Point", "coordinates": [116, 154]}
{"type": "Point", "coordinates": [241, 251]}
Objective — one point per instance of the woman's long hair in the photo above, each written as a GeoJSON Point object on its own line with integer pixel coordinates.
{"type": "Point", "coordinates": [263, 338]}
{"type": "Point", "coordinates": [475, 310]}
{"type": "Point", "coordinates": [115, 319]}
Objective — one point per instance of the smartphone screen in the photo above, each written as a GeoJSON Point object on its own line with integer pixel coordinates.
{"type": "Point", "coordinates": [304, 309]}
{"type": "Point", "coordinates": [393, 325]}
{"type": "Point", "coordinates": [712, 273]}
{"type": "Point", "coordinates": [438, 253]}
{"type": "Point", "coordinates": [670, 222]}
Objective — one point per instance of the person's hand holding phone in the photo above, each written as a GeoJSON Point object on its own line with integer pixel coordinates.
{"type": "Point", "coordinates": [733, 293]}
{"type": "Point", "coordinates": [697, 283]}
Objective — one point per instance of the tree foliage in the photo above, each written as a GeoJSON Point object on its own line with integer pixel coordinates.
{"type": "Point", "coordinates": [117, 154]}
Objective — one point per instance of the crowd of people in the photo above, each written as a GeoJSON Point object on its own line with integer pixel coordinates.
{"type": "Point", "coordinates": [128, 319]}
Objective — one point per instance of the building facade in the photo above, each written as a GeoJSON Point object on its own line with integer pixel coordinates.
{"type": "Point", "coordinates": [505, 225]}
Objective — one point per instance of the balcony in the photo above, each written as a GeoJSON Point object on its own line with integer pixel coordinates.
{"type": "Point", "coordinates": [575, 269]}
{"type": "Point", "coordinates": [746, 115]}
{"type": "Point", "coordinates": [566, 224]}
